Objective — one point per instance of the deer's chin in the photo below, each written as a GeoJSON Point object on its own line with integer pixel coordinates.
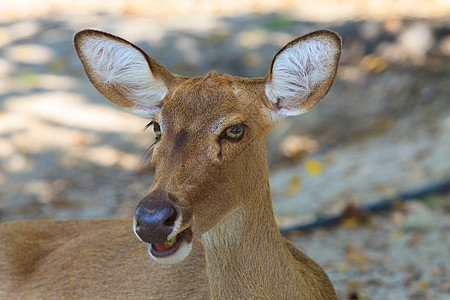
{"type": "Point", "coordinates": [175, 253]}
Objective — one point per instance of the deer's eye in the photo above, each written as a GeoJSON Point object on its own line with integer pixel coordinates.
{"type": "Point", "coordinates": [156, 129]}
{"type": "Point", "coordinates": [234, 132]}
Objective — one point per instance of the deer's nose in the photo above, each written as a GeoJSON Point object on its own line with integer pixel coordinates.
{"type": "Point", "coordinates": [155, 218]}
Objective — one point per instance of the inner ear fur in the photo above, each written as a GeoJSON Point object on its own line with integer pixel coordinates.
{"type": "Point", "coordinates": [302, 72]}
{"type": "Point", "coordinates": [122, 72]}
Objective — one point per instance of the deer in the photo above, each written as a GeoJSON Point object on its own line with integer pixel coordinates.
{"type": "Point", "coordinates": [206, 227]}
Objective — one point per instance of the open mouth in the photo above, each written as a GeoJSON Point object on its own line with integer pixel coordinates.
{"type": "Point", "coordinates": [169, 247]}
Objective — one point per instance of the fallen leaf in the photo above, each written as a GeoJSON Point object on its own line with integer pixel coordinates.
{"type": "Point", "coordinates": [354, 285]}
{"type": "Point", "coordinates": [421, 284]}
{"type": "Point", "coordinates": [313, 167]}
{"type": "Point", "coordinates": [342, 267]}
{"type": "Point", "coordinates": [390, 192]}
{"type": "Point", "coordinates": [57, 66]}
{"type": "Point", "coordinates": [398, 205]}
{"type": "Point", "coordinates": [373, 63]}
{"type": "Point", "coordinates": [417, 236]}
{"type": "Point", "coordinates": [294, 186]}
{"type": "Point", "coordinates": [357, 296]}
{"type": "Point", "coordinates": [352, 216]}
{"type": "Point", "coordinates": [357, 258]}
{"type": "Point", "coordinates": [437, 271]}
{"type": "Point", "coordinates": [349, 223]}
{"type": "Point", "coordinates": [396, 234]}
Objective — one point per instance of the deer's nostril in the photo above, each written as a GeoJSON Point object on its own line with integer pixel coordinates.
{"type": "Point", "coordinates": [170, 221]}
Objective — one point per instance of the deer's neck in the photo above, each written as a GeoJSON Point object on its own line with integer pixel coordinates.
{"type": "Point", "coordinates": [246, 254]}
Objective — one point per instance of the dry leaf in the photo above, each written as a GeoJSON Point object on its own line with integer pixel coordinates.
{"type": "Point", "coordinates": [373, 63]}
{"type": "Point", "coordinates": [352, 216]}
{"type": "Point", "coordinates": [357, 296]}
{"type": "Point", "coordinates": [294, 186]}
{"type": "Point", "coordinates": [313, 167]}
{"type": "Point", "coordinates": [57, 66]}
{"type": "Point", "coordinates": [358, 258]}
{"type": "Point", "coordinates": [349, 223]}
{"type": "Point", "coordinates": [437, 271]}
{"type": "Point", "coordinates": [421, 284]}
{"type": "Point", "coordinates": [396, 234]}
{"type": "Point", "coordinates": [343, 267]}
{"type": "Point", "coordinates": [417, 236]}
{"type": "Point", "coordinates": [354, 285]}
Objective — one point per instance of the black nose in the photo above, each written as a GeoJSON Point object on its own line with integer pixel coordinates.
{"type": "Point", "coordinates": [155, 218]}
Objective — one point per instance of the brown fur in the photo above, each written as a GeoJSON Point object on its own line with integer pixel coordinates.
{"type": "Point", "coordinates": [223, 194]}
{"type": "Point", "coordinates": [90, 259]}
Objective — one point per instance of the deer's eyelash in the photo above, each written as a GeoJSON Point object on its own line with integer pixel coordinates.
{"type": "Point", "coordinates": [148, 125]}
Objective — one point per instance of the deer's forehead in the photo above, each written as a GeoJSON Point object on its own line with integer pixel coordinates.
{"type": "Point", "coordinates": [201, 101]}
{"type": "Point", "coordinates": [204, 94]}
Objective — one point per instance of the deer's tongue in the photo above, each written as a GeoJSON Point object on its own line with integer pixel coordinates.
{"type": "Point", "coordinates": [161, 247]}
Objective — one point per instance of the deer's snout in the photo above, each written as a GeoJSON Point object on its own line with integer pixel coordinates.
{"type": "Point", "coordinates": [155, 217]}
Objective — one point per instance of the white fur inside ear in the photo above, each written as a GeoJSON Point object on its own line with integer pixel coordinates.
{"type": "Point", "coordinates": [124, 68]}
{"type": "Point", "coordinates": [298, 70]}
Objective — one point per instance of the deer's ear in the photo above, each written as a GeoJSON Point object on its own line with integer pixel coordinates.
{"type": "Point", "coordinates": [122, 72]}
{"type": "Point", "coordinates": [302, 72]}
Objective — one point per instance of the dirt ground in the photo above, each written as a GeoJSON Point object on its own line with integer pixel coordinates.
{"type": "Point", "coordinates": [383, 129]}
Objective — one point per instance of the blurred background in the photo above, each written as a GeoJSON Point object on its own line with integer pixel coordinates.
{"type": "Point", "coordinates": [383, 129]}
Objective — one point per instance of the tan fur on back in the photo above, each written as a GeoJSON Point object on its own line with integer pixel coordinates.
{"type": "Point", "coordinates": [98, 260]}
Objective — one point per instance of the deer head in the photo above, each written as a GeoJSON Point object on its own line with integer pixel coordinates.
{"type": "Point", "coordinates": [210, 154]}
